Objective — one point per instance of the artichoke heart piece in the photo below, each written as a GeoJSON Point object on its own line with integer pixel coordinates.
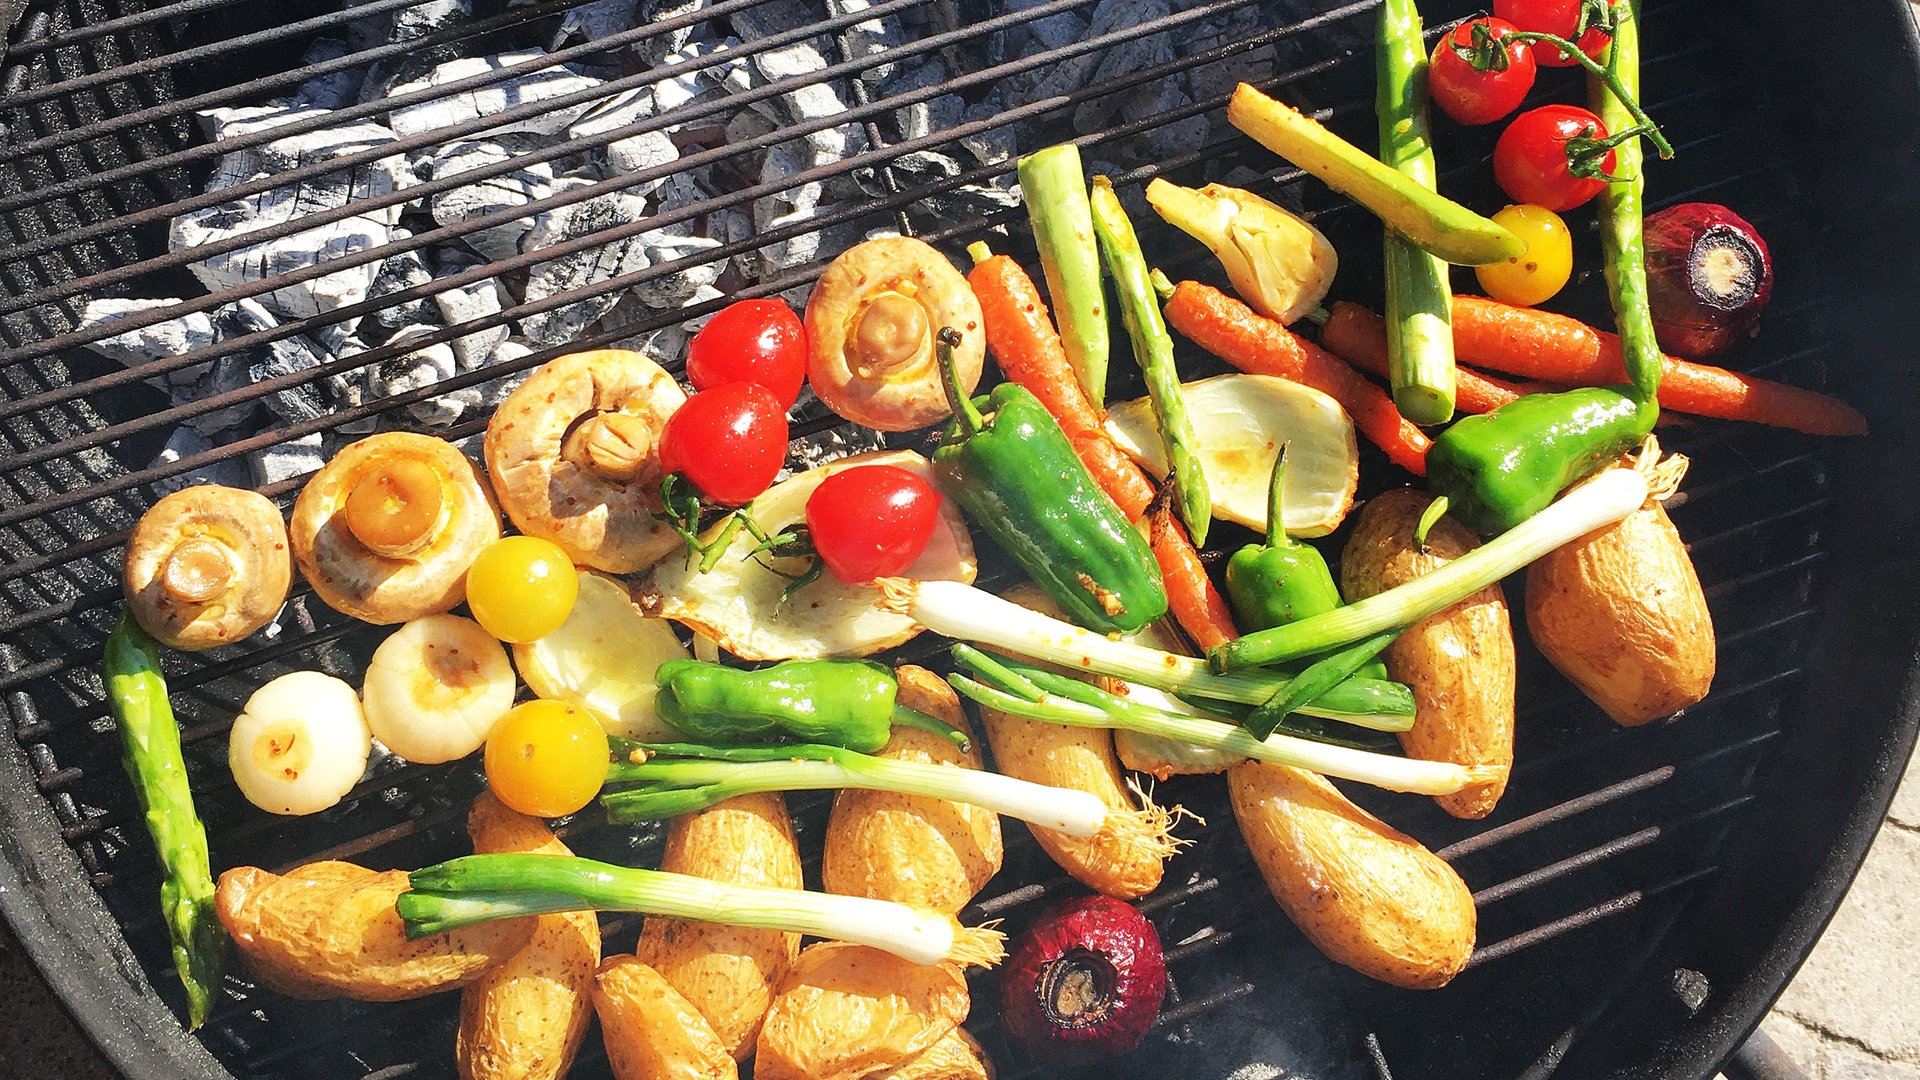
{"type": "Point", "coordinates": [1278, 263]}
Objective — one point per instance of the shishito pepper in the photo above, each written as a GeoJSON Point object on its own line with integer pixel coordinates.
{"type": "Point", "coordinates": [1018, 477]}
{"type": "Point", "coordinates": [847, 703]}
{"type": "Point", "coordinates": [1500, 468]}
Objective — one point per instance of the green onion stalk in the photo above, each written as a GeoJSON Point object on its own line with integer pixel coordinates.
{"type": "Point", "coordinates": [962, 612]}
{"type": "Point", "coordinates": [1153, 349]}
{"type": "Point", "coordinates": [1419, 298]}
{"type": "Point", "coordinates": [1054, 186]}
{"type": "Point", "coordinates": [1038, 694]}
{"type": "Point", "coordinates": [480, 888]}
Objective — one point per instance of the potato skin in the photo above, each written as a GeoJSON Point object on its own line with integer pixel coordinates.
{"type": "Point", "coordinates": [928, 853]}
{"type": "Point", "coordinates": [525, 1019]}
{"type": "Point", "coordinates": [1621, 614]}
{"type": "Point", "coordinates": [957, 1056]}
{"type": "Point", "coordinates": [845, 1011]}
{"type": "Point", "coordinates": [652, 1032]}
{"type": "Point", "coordinates": [1459, 661]}
{"type": "Point", "coordinates": [1366, 894]}
{"type": "Point", "coordinates": [727, 972]}
{"type": "Point", "coordinates": [328, 929]}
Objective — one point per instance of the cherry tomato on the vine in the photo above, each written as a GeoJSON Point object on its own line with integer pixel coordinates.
{"type": "Point", "coordinates": [521, 588]}
{"type": "Point", "coordinates": [730, 441]}
{"type": "Point", "coordinates": [1533, 276]}
{"type": "Point", "coordinates": [546, 758]}
{"type": "Point", "coordinates": [1533, 164]}
{"type": "Point", "coordinates": [871, 521]}
{"type": "Point", "coordinates": [1466, 92]}
{"type": "Point", "coordinates": [1559, 18]}
{"type": "Point", "coordinates": [756, 341]}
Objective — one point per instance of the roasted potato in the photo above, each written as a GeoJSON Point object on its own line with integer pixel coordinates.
{"type": "Point", "coordinates": [957, 1056]}
{"type": "Point", "coordinates": [1366, 894]}
{"type": "Point", "coordinates": [1621, 613]}
{"type": "Point", "coordinates": [727, 972]}
{"type": "Point", "coordinates": [929, 853]}
{"type": "Point", "coordinates": [1458, 661]}
{"type": "Point", "coordinates": [845, 1011]}
{"type": "Point", "coordinates": [524, 1020]}
{"type": "Point", "coordinates": [652, 1032]}
{"type": "Point", "coordinates": [328, 929]}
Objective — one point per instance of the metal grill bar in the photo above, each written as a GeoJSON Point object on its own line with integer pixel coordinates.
{"type": "Point", "coordinates": [28, 46]}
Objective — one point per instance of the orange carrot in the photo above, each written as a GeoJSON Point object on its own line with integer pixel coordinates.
{"type": "Point", "coordinates": [1542, 345]}
{"type": "Point", "coordinates": [1254, 343]}
{"type": "Point", "coordinates": [1359, 337]}
{"type": "Point", "coordinates": [1020, 333]}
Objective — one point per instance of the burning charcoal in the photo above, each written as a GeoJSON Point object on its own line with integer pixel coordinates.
{"type": "Point", "coordinates": [635, 152]}
{"type": "Point", "coordinates": [925, 117]}
{"type": "Point", "coordinates": [871, 37]}
{"type": "Point", "coordinates": [805, 103]}
{"type": "Point", "coordinates": [411, 23]}
{"type": "Point", "coordinates": [541, 84]}
{"type": "Point", "coordinates": [523, 185]}
{"type": "Point", "coordinates": [676, 241]}
{"type": "Point", "coordinates": [1168, 139]}
{"type": "Point", "coordinates": [1120, 60]}
{"type": "Point", "coordinates": [224, 375]}
{"type": "Point", "coordinates": [398, 273]}
{"type": "Point", "coordinates": [468, 400]}
{"type": "Point", "coordinates": [733, 75]}
{"type": "Point", "coordinates": [287, 460]}
{"type": "Point", "coordinates": [414, 370]}
{"type": "Point", "coordinates": [962, 203]}
{"type": "Point", "coordinates": [182, 334]}
{"type": "Point", "coordinates": [347, 389]}
{"type": "Point", "coordinates": [656, 49]}
{"type": "Point", "coordinates": [185, 443]}
{"type": "Point", "coordinates": [468, 303]}
{"type": "Point", "coordinates": [582, 268]}
{"type": "Point", "coordinates": [272, 359]}
{"type": "Point", "coordinates": [1075, 72]}
{"type": "Point", "coordinates": [666, 345]}
{"type": "Point", "coordinates": [797, 203]}
{"type": "Point", "coordinates": [333, 91]}
{"type": "Point", "coordinates": [599, 19]}
{"type": "Point", "coordinates": [994, 145]}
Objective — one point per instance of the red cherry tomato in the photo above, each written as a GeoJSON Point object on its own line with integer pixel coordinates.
{"type": "Point", "coordinates": [871, 521]}
{"type": "Point", "coordinates": [756, 341]}
{"type": "Point", "coordinates": [1472, 96]}
{"type": "Point", "coordinates": [1557, 17]}
{"type": "Point", "coordinates": [1531, 163]}
{"type": "Point", "coordinates": [730, 441]}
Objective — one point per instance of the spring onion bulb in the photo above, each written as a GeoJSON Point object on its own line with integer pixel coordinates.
{"type": "Point", "coordinates": [1033, 693]}
{"type": "Point", "coordinates": [1606, 498]}
{"type": "Point", "coordinates": [965, 613]}
{"type": "Point", "coordinates": [478, 888]}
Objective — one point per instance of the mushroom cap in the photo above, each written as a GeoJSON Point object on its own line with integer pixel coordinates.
{"type": "Point", "coordinates": [376, 588]}
{"type": "Point", "coordinates": [545, 476]}
{"type": "Point", "coordinates": [241, 527]}
{"type": "Point", "coordinates": [912, 394]}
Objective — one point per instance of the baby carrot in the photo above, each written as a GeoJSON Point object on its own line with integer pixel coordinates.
{"type": "Point", "coordinates": [1359, 337]}
{"type": "Point", "coordinates": [1253, 343]}
{"type": "Point", "coordinates": [1201, 610]}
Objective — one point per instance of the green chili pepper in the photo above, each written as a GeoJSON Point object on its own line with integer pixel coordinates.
{"type": "Point", "coordinates": [1500, 468]}
{"type": "Point", "coordinates": [1283, 580]}
{"type": "Point", "coordinates": [150, 745]}
{"type": "Point", "coordinates": [848, 703]}
{"type": "Point", "coordinates": [1018, 477]}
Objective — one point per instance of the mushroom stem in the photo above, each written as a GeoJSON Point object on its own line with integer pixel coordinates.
{"type": "Point", "coordinates": [197, 570]}
{"type": "Point", "coordinates": [890, 335]}
{"type": "Point", "coordinates": [396, 509]}
{"type": "Point", "coordinates": [617, 446]}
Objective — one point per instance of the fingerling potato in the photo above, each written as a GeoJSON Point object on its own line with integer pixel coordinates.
{"type": "Point", "coordinates": [957, 1056]}
{"type": "Point", "coordinates": [652, 1032]}
{"type": "Point", "coordinates": [845, 1011]}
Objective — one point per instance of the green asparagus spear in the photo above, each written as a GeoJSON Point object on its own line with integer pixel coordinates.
{"type": "Point", "coordinates": [1622, 248]}
{"type": "Point", "coordinates": [1153, 349]}
{"type": "Point", "coordinates": [1055, 189]}
{"type": "Point", "coordinates": [150, 741]}
{"type": "Point", "coordinates": [1419, 301]}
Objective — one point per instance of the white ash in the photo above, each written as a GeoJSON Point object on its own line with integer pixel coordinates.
{"type": "Point", "coordinates": [655, 48]}
{"type": "Point", "coordinates": [541, 84]}
{"type": "Point", "coordinates": [525, 184]}
{"type": "Point", "coordinates": [667, 344]}
{"type": "Point", "coordinates": [678, 241]}
{"type": "Point", "coordinates": [411, 23]}
{"type": "Point", "coordinates": [287, 460]}
{"type": "Point", "coordinates": [994, 145]}
{"type": "Point", "coordinates": [231, 123]}
{"type": "Point", "coordinates": [645, 150]}
{"type": "Point", "coordinates": [923, 118]}
{"type": "Point", "coordinates": [414, 370]}
{"type": "Point", "coordinates": [184, 443]}
{"type": "Point", "coordinates": [870, 37]}
{"type": "Point", "coordinates": [399, 272]}
{"type": "Point", "coordinates": [803, 104]}
{"type": "Point", "coordinates": [467, 303]}
{"type": "Point", "coordinates": [733, 225]}
{"type": "Point", "coordinates": [335, 89]}
{"type": "Point", "coordinates": [591, 22]}
{"type": "Point", "coordinates": [273, 359]}
{"type": "Point", "coordinates": [347, 389]}
{"type": "Point", "coordinates": [797, 203]}
{"type": "Point", "coordinates": [182, 334]}
{"type": "Point", "coordinates": [734, 75]}
{"type": "Point", "coordinates": [582, 268]}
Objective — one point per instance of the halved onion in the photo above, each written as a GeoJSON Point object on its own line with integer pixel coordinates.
{"type": "Point", "coordinates": [1241, 421]}
{"type": "Point", "coordinates": [738, 604]}
{"type": "Point", "coordinates": [435, 688]}
{"type": "Point", "coordinates": [603, 659]}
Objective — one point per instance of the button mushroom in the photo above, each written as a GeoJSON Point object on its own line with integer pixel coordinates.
{"type": "Point", "coordinates": [385, 532]}
{"type": "Point", "coordinates": [871, 323]}
{"type": "Point", "coordinates": [207, 566]}
{"type": "Point", "coordinates": [574, 455]}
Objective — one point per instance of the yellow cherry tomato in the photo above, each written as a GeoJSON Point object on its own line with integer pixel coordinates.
{"type": "Point", "coordinates": [1533, 276]}
{"type": "Point", "coordinates": [547, 758]}
{"type": "Point", "coordinates": [521, 588]}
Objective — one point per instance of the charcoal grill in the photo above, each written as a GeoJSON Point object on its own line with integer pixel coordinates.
{"type": "Point", "coordinates": [1644, 894]}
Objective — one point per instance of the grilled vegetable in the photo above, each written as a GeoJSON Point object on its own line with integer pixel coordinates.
{"type": "Point", "coordinates": [1621, 613]}
{"type": "Point", "coordinates": [1018, 477]}
{"type": "Point", "coordinates": [1153, 351]}
{"type": "Point", "coordinates": [756, 341]}
{"type": "Point", "coordinates": [956, 1055]}
{"type": "Point", "coordinates": [1534, 276]}
{"type": "Point", "coordinates": [1278, 263]}
{"type": "Point", "coordinates": [435, 688]}
{"type": "Point", "coordinates": [1084, 982]}
{"type": "Point", "coordinates": [300, 744]}
{"type": "Point", "coordinates": [871, 322]}
{"type": "Point", "coordinates": [1365, 894]}
{"type": "Point", "coordinates": [1708, 278]}
{"type": "Point", "coordinates": [206, 566]}
{"type": "Point", "coordinates": [150, 751]}
{"type": "Point", "coordinates": [1501, 468]}
{"type": "Point", "coordinates": [522, 588]}
{"type": "Point", "coordinates": [728, 442]}
{"type": "Point", "coordinates": [846, 1011]}
{"type": "Point", "coordinates": [1479, 74]}
{"type": "Point", "coordinates": [652, 1032]}
{"type": "Point", "coordinates": [1556, 156]}
{"type": "Point", "coordinates": [1612, 92]}
{"type": "Point", "coordinates": [603, 659]}
{"type": "Point", "coordinates": [1439, 225]}
{"type": "Point", "coordinates": [329, 929]}
{"type": "Point", "coordinates": [1419, 296]}
{"type": "Point", "coordinates": [873, 521]}
{"type": "Point", "coordinates": [547, 758]}
{"type": "Point", "coordinates": [849, 703]}
{"type": "Point", "coordinates": [1459, 661]}
{"type": "Point", "coordinates": [1282, 580]}
{"type": "Point", "coordinates": [1054, 187]}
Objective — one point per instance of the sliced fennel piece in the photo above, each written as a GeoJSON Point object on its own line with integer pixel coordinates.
{"type": "Point", "coordinates": [1278, 263]}
{"type": "Point", "coordinates": [603, 659]}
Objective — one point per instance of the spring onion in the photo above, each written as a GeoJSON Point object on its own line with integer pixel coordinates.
{"type": "Point", "coordinates": [1598, 502]}
{"type": "Point", "coordinates": [1023, 690]}
{"type": "Point", "coordinates": [479, 888]}
{"type": "Point", "coordinates": [965, 613]}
